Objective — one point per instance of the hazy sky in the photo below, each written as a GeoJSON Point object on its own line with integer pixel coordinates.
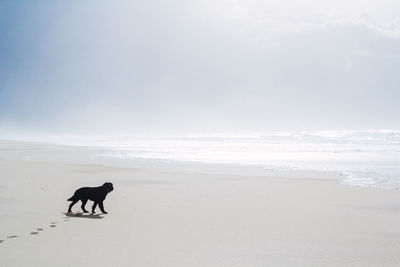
{"type": "Point", "coordinates": [199, 66]}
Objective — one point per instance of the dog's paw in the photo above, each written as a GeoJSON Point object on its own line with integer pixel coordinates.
{"type": "Point", "coordinates": [105, 212]}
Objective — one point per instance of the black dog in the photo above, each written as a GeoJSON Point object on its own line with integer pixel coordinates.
{"type": "Point", "coordinates": [96, 194]}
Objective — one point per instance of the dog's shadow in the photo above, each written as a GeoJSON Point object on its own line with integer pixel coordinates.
{"type": "Point", "coordinates": [83, 215]}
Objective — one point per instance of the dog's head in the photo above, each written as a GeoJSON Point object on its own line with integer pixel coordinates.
{"type": "Point", "coordinates": [108, 186]}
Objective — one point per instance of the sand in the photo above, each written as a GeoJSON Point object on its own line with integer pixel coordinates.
{"type": "Point", "coordinates": [166, 218]}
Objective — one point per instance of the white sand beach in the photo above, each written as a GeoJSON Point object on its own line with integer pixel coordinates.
{"type": "Point", "coordinates": [167, 218]}
{"type": "Point", "coordinates": [235, 133]}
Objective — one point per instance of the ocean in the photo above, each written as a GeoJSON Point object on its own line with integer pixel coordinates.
{"type": "Point", "coordinates": [362, 158]}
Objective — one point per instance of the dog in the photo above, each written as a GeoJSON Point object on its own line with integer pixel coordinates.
{"type": "Point", "coordinates": [96, 194]}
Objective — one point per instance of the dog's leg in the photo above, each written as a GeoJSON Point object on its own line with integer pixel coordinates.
{"type": "Point", "coordinates": [94, 206]}
{"type": "Point", "coordinates": [83, 205]}
{"type": "Point", "coordinates": [72, 204]}
{"type": "Point", "coordinates": [102, 208]}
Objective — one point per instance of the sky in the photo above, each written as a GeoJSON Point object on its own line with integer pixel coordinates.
{"type": "Point", "coordinates": [190, 66]}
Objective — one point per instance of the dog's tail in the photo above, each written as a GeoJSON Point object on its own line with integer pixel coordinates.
{"type": "Point", "coordinates": [71, 198]}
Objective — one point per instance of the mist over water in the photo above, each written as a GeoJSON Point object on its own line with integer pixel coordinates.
{"type": "Point", "coordinates": [181, 67]}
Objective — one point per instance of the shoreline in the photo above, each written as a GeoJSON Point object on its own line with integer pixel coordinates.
{"type": "Point", "coordinates": [347, 173]}
{"type": "Point", "coordinates": [78, 154]}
